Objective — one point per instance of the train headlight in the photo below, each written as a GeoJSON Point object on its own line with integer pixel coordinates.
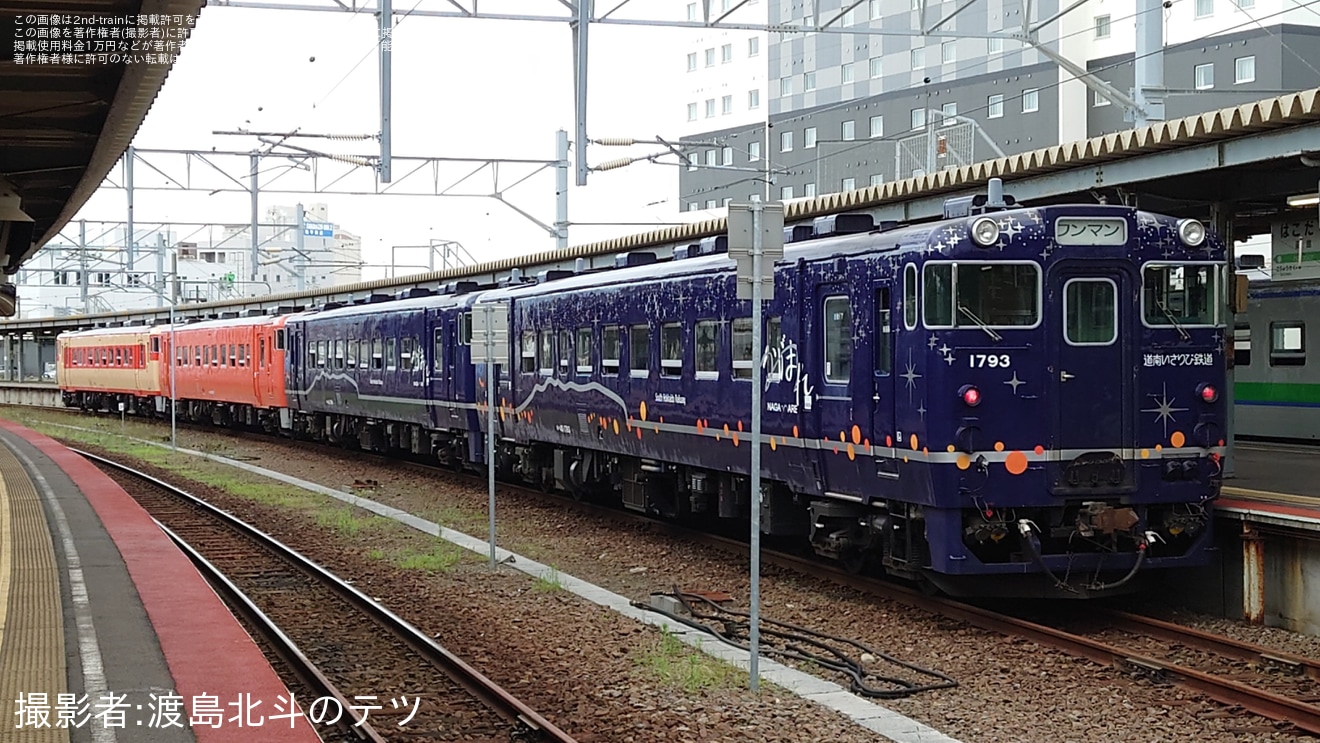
{"type": "Point", "coordinates": [1191, 232]}
{"type": "Point", "coordinates": [1207, 393]}
{"type": "Point", "coordinates": [970, 395]}
{"type": "Point", "coordinates": [985, 231]}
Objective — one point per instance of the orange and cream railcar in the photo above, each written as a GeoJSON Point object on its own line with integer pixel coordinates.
{"type": "Point", "coordinates": [227, 371]}
{"type": "Point", "coordinates": [98, 369]}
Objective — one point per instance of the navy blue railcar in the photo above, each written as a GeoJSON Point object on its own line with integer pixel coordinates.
{"type": "Point", "coordinates": [1025, 393]}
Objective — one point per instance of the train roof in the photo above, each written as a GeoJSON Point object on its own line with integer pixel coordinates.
{"type": "Point", "coordinates": [101, 332]}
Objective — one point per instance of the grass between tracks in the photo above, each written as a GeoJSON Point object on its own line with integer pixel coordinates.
{"type": "Point", "coordinates": [395, 543]}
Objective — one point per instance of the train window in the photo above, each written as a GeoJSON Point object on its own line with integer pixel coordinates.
{"type": "Point", "coordinates": [1242, 344]}
{"type": "Point", "coordinates": [261, 353]}
{"type": "Point", "coordinates": [323, 354]}
{"type": "Point", "coordinates": [437, 345]}
{"type": "Point", "coordinates": [1090, 312]}
{"type": "Point", "coordinates": [565, 352]}
{"type": "Point", "coordinates": [639, 350]}
{"type": "Point", "coordinates": [528, 352]}
{"type": "Point", "coordinates": [119, 356]}
{"type": "Point", "coordinates": [774, 351]}
{"type": "Point", "coordinates": [610, 346]}
{"type": "Point", "coordinates": [741, 347]}
{"type": "Point", "coordinates": [706, 344]}
{"type": "Point", "coordinates": [838, 340]}
{"type": "Point", "coordinates": [671, 350]}
{"type": "Point", "coordinates": [546, 359]}
{"type": "Point", "coordinates": [391, 354]}
{"type": "Point", "coordinates": [155, 345]}
{"type": "Point", "coordinates": [405, 354]}
{"type": "Point", "coordinates": [465, 328]}
{"type": "Point", "coordinates": [584, 351]}
{"type": "Point", "coordinates": [938, 311]}
{"type": "Point", "coordinates": [883, 333]}
{"type": "Point", "coordinates": [1287, 344]}
{"type": "Point", "coordinates": [1179, 295]}
{"type": "Point", "coordinates": [279, 339]}
{"type": "Point", "coordinates": [910, 296]}
{"type": "Point", "coordinates": [377, 354]}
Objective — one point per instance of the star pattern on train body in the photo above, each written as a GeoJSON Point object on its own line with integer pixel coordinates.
{"type": "Point", "coordinates": [1164, 408]}
{"type": "Point", "coordinates": [1015, 382]}
{"type": "Point", "coordinates": [910, 376]}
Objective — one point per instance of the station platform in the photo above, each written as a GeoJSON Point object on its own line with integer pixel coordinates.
{"type": "Point", "coordinates": [1274, 483]}
{"type": "Point", "coordinates": [107, 631]}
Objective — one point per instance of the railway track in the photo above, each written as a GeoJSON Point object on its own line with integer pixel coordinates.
{"type": "Point", "coordinates": [341, 643]}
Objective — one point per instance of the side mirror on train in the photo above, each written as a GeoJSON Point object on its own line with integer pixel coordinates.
{"type": "Point", "coordinates": [1238, 299]}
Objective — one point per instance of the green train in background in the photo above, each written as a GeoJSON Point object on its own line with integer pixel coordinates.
{"type": "Point", "coordinates": [1276, 366]}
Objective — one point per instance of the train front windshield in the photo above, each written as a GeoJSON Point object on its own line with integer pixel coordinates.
{"type": "Point", "coordinates": [1180, 294]}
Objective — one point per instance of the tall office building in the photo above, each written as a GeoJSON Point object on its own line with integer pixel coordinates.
{"type": "Point", "coordinates": [849, 107]}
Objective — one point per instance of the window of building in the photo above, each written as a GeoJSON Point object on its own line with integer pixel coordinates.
{"type": "Point", "coordinates": [1287, 344]}
{"type": "Point", "coordinates": [710, 107]}
{"type": "Point", "coordinates": [726, 156]}
{"type": "Point", "coordinates": [707, 335]}
{"type": "Point", "coordinates": [727, 200]}
{"type": "Point", "coordinates": [848, 130]}
{"type": "Point", "coordinates": [726, 54]}
{"type": "Point", "coordinates": [786, 193]}
{"type": "Point", "coordinates": [850, 17]}
{"type": "Point", "coordinates": [809, 21]}
{"type": "Point", "coordinates": [710, 57]}
{"type": "Point", "coordinates": [1030, 100]}
{"type": "Point", "coordinates": [694, 206]}
{"type": "Point", "coordinates": [726, 105]}
{"type": "Point", "coordinates": [753, 46]}
{"type": "Point", "coordinates": [877, 126]}
{"type": "Point", "coordinates": [1102, 26]}
{"type": "Point", "coordinates": [753, 99]}
{"type": "Point", "coordinates": [994, 45]}
{"type": "Point", "coordinates": [949, 51]}
{"type": "Point", "coordinates": [785, 86]}
{"type": "Point", "coordinates": [838, 340]}
{"type": "Point", "coordinates": [877, 67]}
{"type": "Point", "coordinates": [809, 138]}
{"type": "Point", "coordinates": [808, 81]}
{"type": "Point", "coordinates": [710, 158]}
{"type": "Point", "coordinates": [1204, 75]}
{"type": "Point", "coordinates": [918, 117]}
{"type": "Point", "coordinates": [692, 112]}
{"type": "Point", "coordinates": [1205, 8]}
{"type": "Point", "coordinates": [1244, 70]}
{"type": "Point", "coordinates": [584, 350]}
{"type": "Point", "coordinates": [846, 73]}
{"type": "Point", "coordinates": [918, 58]}
{"type": "Point", "coordinates": [610, 346]}
{"type": "Point", "coordinates": [671, 350]}
{"type": "Point", "coordinates": [1098, 99]}
{"type": "Point", "coordinates": [710, 203]}
{"type": "Point", "coordinates": [849, 184]}
{"type": "Point", "coordinates": [809, 190]}
{"type": "Point", "coordinates": [1245, 4]}
{"type": "Point", "coordinates": [994, 107]}
{"type": "Point", "coordinates": [877, 180]}
{"type": "Point", "coordinates": [876, 12]}
{"type": "Point", "coordinates": [948, 111]}
{"type": "Point", "coordinates": [753, 151]}
{"type": "Point", "coordinates": [741, 330]}
{"type": "Point", "coordinates": [691, 61]}
{"type": "Point", "coordinates": [786, 141]}
{"type": "Point", "coordinates": [692, 11]}
{"type": "Point", "coordinates": [639, 350]}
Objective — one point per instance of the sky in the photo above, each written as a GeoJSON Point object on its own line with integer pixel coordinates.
{"type": "Point", "coordinates": [461, 88]}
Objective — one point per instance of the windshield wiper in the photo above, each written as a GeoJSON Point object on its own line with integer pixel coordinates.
{"type": "Point", "coordinates": [1181, 332]}
{"type": "Point", "coordinates": [989, 331]}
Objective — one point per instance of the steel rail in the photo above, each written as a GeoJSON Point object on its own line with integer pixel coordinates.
{"type": "Point", "coordinates": [284, 645]}
{"type": "Point", "coordinates": [477, 684]}
{"type": "Point", "coordinates": [1226, 646]}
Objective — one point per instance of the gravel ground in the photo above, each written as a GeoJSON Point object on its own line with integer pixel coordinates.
{"type": "Point", "coordinates": [585, 674]}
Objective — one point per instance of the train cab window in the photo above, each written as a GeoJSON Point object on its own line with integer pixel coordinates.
{"type": "Point", "coordinates": [155, 345]}
{"type": "Point", "coordinates": [465, 328]}
{"type": "Point", "coordinates": [938, 312]}
{"type": "Point", "coordinates": [377, 354]}
{"type": "Point", "coordinates": [774, 339]}
{"type": "Point", "coordinates": [706, 343]}
{"type": "Point", "coordinates": [883, 333]}
{"type": "Point", "coordinates": [671, 350]}
{"type": "Point", "coordinates": [391, 354]}
{"type": "Point", "coordinates": [639, 350]}
{"type": "Point", "coordinates": [279, 339]}
{"type": "Point", "coordinates": [528, 364]}
{"type": "Point", "coordinates": [1090, 312]}
{"type": "Point", "coordinates": [1242, 344]}
{"type": "Point", "coordinates": [565, 352]}
{"type": "Point", "coordinates": [546, 358]}
{"type": "Point", "coordinates": [910, 296]}
{"type": "Point", "coordinates": [838, 339]}
{"type": "Point", "coordinates": [1287, 344]}
{"type": "Point", "coordinates": [741, 347]}
{"type": "Point", "coordinates": [990, 295]}
{"type": "Point", "coordinates": [610, 345]}
{"type": "Point", "coordinates": [583, 349]}
{"type": "Point", "coordinates": [1179, 295]}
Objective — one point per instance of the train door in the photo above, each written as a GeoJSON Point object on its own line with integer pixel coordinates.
{"type": "Point", "coordinates": [884, 410]}
{"type": "Point", "coordinates": [832, 399]}
{"type": "Point", "coordinates": [1093, 420]}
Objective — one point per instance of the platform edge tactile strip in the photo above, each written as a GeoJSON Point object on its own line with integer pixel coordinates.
{"type": "Point", "coordinates": [32, 635]}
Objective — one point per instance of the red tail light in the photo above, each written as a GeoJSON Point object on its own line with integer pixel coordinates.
{"type": "Point", "coordinates": [970, 395]}
{"type": "Point", "coordinates": [1207, 393]}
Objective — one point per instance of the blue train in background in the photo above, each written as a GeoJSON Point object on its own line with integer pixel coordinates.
{"type": "Point", "coordinates": [1010, 401]}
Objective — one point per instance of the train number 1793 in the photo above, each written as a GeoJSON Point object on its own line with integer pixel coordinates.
{"type": "Point", "coordinates": [989, 359]}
